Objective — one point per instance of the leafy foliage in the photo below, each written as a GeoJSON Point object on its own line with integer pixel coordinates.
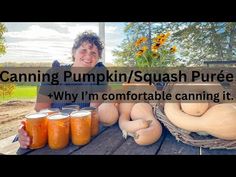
{"type": "Point", "coordinates": [3, 29]}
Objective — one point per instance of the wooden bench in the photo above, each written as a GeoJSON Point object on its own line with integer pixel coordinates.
{"type": "Point", "coordinates": [220, 62]}
{"type": "Point", "coordinates": [110, 142]}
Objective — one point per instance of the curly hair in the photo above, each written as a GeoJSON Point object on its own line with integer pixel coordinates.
{"type": "Point", "coordinates": [89, 37]}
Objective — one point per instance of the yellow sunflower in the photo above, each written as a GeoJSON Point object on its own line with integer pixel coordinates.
{"type": "Point", "coordinates": [140, 41]}
{"type": "Point", "coordinates": [155, 55]}
{"type": "Point", "coordinates": [173, 49]}
{"type": "Point", "coordinates": [155, 46]}
{"type": "Point", "coordinates": [141, 51]}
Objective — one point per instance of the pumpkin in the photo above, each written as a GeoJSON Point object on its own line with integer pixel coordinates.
{"type": "Point", "coordinates": [218, 121]}
{"type": "Point", "coordinates": [195, 109]}
{"type": "Point", "coordinates": [108, 114]}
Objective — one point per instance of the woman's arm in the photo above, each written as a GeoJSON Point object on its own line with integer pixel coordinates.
{"type": "Point", "coordinates": [42, 102]}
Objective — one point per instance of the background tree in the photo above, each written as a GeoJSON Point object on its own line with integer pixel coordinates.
{"type": "Point", "coordinates": [3, 29]}
{"type": "Point", "coordinates": [200, 42]}
{"type": "Point", "coordinates": [6, 89]}
{"type": "Point", "coordinates": [196, 41]}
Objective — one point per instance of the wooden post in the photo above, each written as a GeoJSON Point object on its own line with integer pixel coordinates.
{"type": "Point", "coordinates": [102, 37]}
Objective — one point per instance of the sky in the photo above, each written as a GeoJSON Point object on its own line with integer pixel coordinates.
{"type": "Point", "coordinates": [48, 41]}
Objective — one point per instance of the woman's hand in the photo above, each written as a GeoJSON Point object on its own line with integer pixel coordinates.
{"type": "Point", "coordinates": [24, 139]}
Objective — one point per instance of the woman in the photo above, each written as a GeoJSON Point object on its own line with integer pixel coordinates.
{"type": "Point", "coordinates": [86, 52]}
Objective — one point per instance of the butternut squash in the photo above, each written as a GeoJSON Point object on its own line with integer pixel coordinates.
{"type": "Point", "coordinates": [195, 109]}
{"type": "Point", "coordinates": [151, 134]}
{"type": "Point", "coordinates": [108, 114]}
{"type": "Point", "coordinates": [127, 126]}
{"type": "Point", "coordinates": [218, 121]}
{"type": "Point", "coordinates": [212, 104]}
{"type": "Point", "coordinates": [148, 135]}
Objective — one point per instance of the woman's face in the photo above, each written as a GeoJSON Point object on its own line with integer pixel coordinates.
{"type": "Point", "coordinates": [86, 55]}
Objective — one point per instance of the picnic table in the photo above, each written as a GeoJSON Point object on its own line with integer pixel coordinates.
{"type": "Point", "coordinates": [109, 141]}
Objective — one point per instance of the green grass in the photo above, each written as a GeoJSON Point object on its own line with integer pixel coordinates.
{"type": "Point", "coordinates": [30, 93]}
{"type": "Point", "coordinates": [116, 85]}
{"type": "Point", "coordinates": [21, 93]}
